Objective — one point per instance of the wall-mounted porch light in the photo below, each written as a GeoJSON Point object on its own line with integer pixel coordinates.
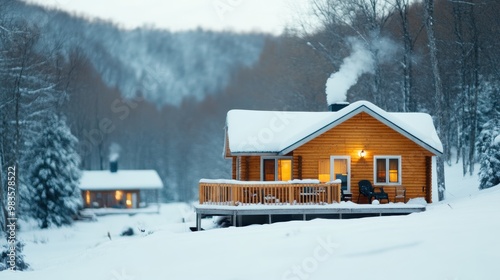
{"type": "Point", "coordinates": [362, 153]}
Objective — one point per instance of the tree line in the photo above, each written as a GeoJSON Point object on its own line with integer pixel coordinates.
{"type": "Point", "coordinates": [438, 57]}
{"type": "Point", "coordinates": [445, 64]}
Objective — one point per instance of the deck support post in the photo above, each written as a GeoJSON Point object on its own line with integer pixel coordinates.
{"type": "Point", "coordinates": [300, 212]}
{"type": "Point", "coordinates": [198, 221]}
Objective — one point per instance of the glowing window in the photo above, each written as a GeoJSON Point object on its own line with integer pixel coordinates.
{"type": "Point", "coordinates": [128, 202]}
{"type": "Point", "coordinates": [276, 169]}
{"type": "Point", "coordinates": [284, 169]}
{"type": "Point", "coordinates": [387, 170]}
{"type": "Point", "coordinates": [118, 195]}
{"type": "Point", "coordinates": [324, 170]}
{"type": "Point", "coordinates": [87, 197]}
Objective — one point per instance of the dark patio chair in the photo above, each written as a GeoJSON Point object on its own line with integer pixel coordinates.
{"type": "Point", "coordinates": [345, 196]}
{"type": "Point", "coordinates": [366, 189]}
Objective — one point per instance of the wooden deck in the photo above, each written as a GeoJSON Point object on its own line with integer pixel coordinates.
{"type": "Point", "coordinates": [268, 202]}
{"type": "Point", "coordinates": [275, 213]}
{"type": "Point", "coordinates": [238, 193]}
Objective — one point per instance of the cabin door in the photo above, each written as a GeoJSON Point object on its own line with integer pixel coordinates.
{"type": "Point", "coordinates": [340, 168]}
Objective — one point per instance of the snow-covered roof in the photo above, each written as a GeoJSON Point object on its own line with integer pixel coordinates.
{"type": "Point", "coordinates": [120, 180]}
{"type": "Point", "coordinates": [278, 132]}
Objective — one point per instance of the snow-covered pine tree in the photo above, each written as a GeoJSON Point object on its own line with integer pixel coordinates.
{"type": "Point", "coordinates": [55, 175]}
{"type": "Point", "coordinates": [489, 173]}
{"type": "Point", "coordinates": [6, 259]}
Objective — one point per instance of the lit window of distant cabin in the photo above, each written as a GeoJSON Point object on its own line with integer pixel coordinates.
{"type": "Point", "coordinates": [276, 169]}
{"type": "Point", "coordinates": [87, 197]}
{"type": "Point", "coordinates": [387, 170]}
{"type": "Point", "coordinates": [324, 170]}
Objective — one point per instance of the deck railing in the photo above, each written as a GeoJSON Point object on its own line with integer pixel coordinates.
{"type": "Point", "coordinates": [233, 192]}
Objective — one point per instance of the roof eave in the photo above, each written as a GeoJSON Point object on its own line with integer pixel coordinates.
{"type": "Point", "coordinates": [320, 131]}
{"type": "Point", "coordinates": [224, 154]}
{"type": "Point", "coordinates": [106, 188]}
{"type": "Point", "coordinates": [403, 132]}
{"type": "Point", "coordinates": [361, 108]}
{"type": "Point", "coordinates": [255, 153]}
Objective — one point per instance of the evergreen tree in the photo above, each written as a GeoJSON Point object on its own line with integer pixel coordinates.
{"type": "Point", "coordinates": [488, 133]}
{"type": "Point", "coordinates": [489, 174]}
{"type": "Point", "coordinates": [10, 258]}
{"type": "Point", "coordinates": [55, 176]}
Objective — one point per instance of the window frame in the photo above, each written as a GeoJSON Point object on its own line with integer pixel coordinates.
{"type": "Point", "coordinates": [262, 173]}
{"type": "Point", "coordinates": [387, 170]}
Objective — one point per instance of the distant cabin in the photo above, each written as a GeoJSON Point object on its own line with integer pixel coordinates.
{"type": "Point", "coordinates": [126, 189]}
{"type": "Point", "coordinates": [352, 142]}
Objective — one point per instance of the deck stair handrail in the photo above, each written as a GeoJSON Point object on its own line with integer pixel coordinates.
{"type": "Point", "coordinates": [295, 192]}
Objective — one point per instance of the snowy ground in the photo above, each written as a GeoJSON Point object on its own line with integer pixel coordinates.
{"type": "Point", "coordinates": [454, 239]}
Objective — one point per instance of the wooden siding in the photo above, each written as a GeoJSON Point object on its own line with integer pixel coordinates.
{"type": "Point", "coordinates": [250, 168]}
{"type": "Point", "coordinates": [428, 184]}
{"type": "Point", "coordinates": [363, 132]}
{"type": "Point", "coordinates": [297, 167]}
{"type": "Point", "coordinates": [234, 169]}
{"type": "Point", "coordinates": [360, 132]}
{"type": "Point", "coordinates": [227, 151]}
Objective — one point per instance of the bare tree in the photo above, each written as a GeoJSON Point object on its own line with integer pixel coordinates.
{"type": "Point", "coordinates": [361, 19]}
{"type": "Point", "coordinates": [402, 8]}
{"type": "Point", "coordinates": [438, 87]}
{"type": "Point", "coordinates": [467, 41]}
{"type": "Point", "coordinates": [24, 89]}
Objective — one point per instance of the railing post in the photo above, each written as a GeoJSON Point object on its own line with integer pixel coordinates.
{"type": "Point", "coordinates": [218, 193]}
{"type": "Point", "coordinates": [330, 190]}
{"type": "Point", "coordinates": [234, 194]}
{"type": "Point", "coordinates": [338, 193]}
{"type": "Point", "coordinates": [200, 193]}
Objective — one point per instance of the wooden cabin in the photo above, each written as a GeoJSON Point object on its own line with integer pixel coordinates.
{"type": "Point", "coordinates": [120, 189]}
{"type": "Point", "coordinates": [358, 142]}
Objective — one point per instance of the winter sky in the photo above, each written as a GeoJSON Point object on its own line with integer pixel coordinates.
{"type": "Point", "coordinates": [236, 15]}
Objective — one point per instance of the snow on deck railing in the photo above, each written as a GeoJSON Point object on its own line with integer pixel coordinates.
{"type": "Point", "coordinates": [234, 192]}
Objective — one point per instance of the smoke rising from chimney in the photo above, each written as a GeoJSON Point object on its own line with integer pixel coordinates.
{"type": "Point", "coordinates": [114, 152]}
{"type": "Point", "coordinates": [360, 61]}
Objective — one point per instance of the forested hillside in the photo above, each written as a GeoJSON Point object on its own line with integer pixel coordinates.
{"type": "Point", "coordinates": [87, 70]}
{"type": "Point", "coordinates": [162, 96]}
